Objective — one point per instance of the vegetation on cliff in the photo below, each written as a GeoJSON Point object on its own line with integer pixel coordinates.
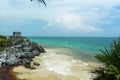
{"type": "Point", "coordinates": [3, 42]}
{"type": "Point", "coordinates": [9, 41]}
{"type": "Point", "coordinates": [18, 50]}
{"type": "Point", "coordinates": [13, 40]}
{"type": "Point", "coordinates": [111, 63]}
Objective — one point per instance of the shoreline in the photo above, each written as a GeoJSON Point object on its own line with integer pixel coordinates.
{"type": "Point", "coordinates": [50, 68]}
{"type": "Point", "coordinates": [12, 74]}
{"type": "Point", "coordinates": [16, 51]}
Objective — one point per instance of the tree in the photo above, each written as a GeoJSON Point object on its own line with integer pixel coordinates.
{"type": "Point", "coordinates": [41, 1]}
{"type": "Point", "coordinates": [110, 58]}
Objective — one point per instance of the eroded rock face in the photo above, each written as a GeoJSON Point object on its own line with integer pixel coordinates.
{"type": "Point", "coordinates": [20, 53]}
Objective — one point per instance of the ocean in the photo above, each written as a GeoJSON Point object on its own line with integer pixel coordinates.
{"type": "Point", "coordinates": [66, 58]}
{"type": "Point", "coordinates": [84, 48]}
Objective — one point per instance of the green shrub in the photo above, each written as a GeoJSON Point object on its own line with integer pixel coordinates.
{"type": "Point", "coordinates": [2, 48]}
{"type": "Point", "coordinates": [10, 41]}
{"type": "Point", "coordinates": [3, 37]}
{"type": "Point", "coordinates": [111, 62]}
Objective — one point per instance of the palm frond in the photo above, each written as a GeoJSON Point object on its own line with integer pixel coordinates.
{"type": "Point", "coordinates": [111, 60]}
{"type": "Point", "coordinates": [41, 1]}
{"type": "Point", "coordinates": [104, 57]}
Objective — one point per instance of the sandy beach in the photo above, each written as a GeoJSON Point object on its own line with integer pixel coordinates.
{"type": "Point", "coordinates": [56, 67]}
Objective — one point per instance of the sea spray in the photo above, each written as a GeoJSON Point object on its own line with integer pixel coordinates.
{"type": "Point", "coordinates": [56, 66]}
{"type": "Point", "coordinates": [63, 64]}
{"type": "Point", "coordinates": [58, 63]}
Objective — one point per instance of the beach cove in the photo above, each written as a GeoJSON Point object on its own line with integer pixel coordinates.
{"type": "Point", "coordinates": [60, 59]}
{"type": "Point", "coordinates": [66, 58]}
{"type": "Point", "coordinates": [56, 67]}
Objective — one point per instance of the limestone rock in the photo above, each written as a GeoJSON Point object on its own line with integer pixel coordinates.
{"type": "Point", "coordinates": [20, 53]}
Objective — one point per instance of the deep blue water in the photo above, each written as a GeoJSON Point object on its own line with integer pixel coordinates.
{"type": "Point", "coordinates": [81, 47]}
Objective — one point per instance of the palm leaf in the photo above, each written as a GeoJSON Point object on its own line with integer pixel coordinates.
{"type": "Point", "coordinates": [41, 1]}
{"type": "Point", "coordinates": [111, 60]}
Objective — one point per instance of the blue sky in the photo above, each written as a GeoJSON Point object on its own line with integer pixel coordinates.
{"type": "Point", "coordinates": [91, 18]}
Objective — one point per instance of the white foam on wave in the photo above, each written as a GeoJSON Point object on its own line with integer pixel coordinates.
{"type": "Point", "coordinates": [54, 66]}
{"type": "Point", "coordinates": [57, 63]}
{"type": "Point", "coordinates": [61, 64]}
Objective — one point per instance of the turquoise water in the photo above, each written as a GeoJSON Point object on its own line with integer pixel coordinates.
{"type": "Point", "coordinates": [81, 47]}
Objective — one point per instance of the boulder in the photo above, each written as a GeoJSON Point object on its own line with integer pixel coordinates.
{"type": "Point", "coordinates": [27, 55]}
{"type": "Point", "coordinates": [41, 49]}
{"type": "Point", "coordinates": [36, 52]}
{"type": "Point", "coordinates": [26, 62]}
{"type": "Point", "coordinates": [26, 49]}
{"type": "Point", "coordinates": [12, 60]}
{"type": "Point", "coordinates": [36, 63]}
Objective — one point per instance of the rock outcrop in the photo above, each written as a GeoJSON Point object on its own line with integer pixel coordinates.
{"type": "Point", "coordinates": [20, 52]}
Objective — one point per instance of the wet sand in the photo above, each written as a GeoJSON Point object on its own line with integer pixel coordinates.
{"type": "Point", "coordinates": [6, 73]}
{"type": "Point", "coordinates": [56, 67]}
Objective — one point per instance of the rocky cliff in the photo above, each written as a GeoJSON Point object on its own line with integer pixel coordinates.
{"type": "Point", "coordinates": [19, 51]}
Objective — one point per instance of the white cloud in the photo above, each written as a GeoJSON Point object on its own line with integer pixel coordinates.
{"type": "Point", "coordinates": [77, 15]}
{"type": "Point", "coordinates": [72, 22]}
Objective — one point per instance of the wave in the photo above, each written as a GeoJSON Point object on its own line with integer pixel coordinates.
{"type": "Point", "coordinates": [65, 64]}
{"type": "Point", "coordinates": [57, 66]}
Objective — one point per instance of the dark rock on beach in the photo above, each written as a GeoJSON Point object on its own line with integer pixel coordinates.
{"type": "Point", "coordinates": [16, 51]}
{"type": "Point", "coordinates": [21, 52]}
{"type": "Point", "coordinates": [36, 64]}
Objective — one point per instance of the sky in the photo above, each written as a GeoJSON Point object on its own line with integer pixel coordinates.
{"type": "Point", "coordinates": [83, 18]}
